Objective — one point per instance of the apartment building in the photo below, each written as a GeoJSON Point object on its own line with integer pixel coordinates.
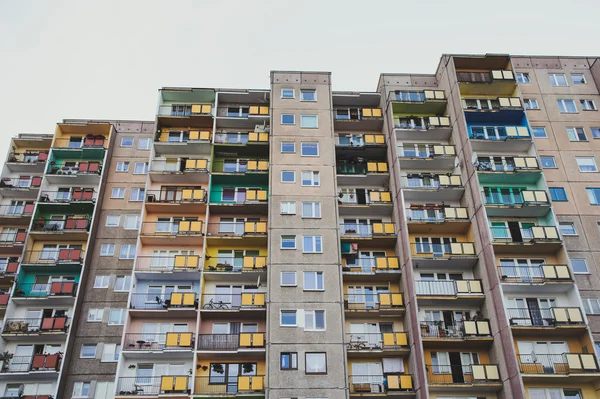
{"type": "Point", "coordinates": [431, 239]}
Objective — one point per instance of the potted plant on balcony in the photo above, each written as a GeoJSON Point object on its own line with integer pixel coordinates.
{"type": "Point", "coordinates": [218, 368]}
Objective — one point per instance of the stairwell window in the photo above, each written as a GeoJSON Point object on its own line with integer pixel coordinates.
{"type": "Point", "coordinates": [591, 305]}
{"type": "Point", "coordinates": [579, 266]}
{"type": "Point", "coordinates": [558, 79]}
{"type": "Point", "coordinates": [576, 134]}
{"type": "Point", "coordinates": [588, 105]}
{"type": "Point", "coordinates": [567, 229]}
{"type": "Point", "coordinates": [567, 106]}
{"type": "Point", "coordinates": [312, 244]}
{"type": "Point", "coordinates": [586, 164]}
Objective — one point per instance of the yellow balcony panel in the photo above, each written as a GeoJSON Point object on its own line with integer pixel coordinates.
{"type": "Point", "coordinates": [388, 385]}
{"type": "Point", "coordinates": [359, 119]}
{"type": "Point", "coordinates": [474, 333]}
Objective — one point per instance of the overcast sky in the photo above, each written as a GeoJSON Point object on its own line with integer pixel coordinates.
{"type": "Point", "coordinates": [106, 59]}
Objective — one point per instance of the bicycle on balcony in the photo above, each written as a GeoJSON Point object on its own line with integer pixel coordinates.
{"type": "Point", "coordinates": [215, 305]}
{"type": "Point", "coordinates": [356, 343]}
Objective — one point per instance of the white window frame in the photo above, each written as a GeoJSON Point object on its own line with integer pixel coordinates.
{"type": "Point", "coordinates": [78, 389]}
{"type": "Point", "coordinates": [309, 143]}
{"type": "Point", "coordinates": [523, 77]}
{"type": "Point", "coordinates": [107, 250]}
{"type": "Point", "coordinates": [287, 207]}
{"type": "Point", "coordinates": [588, 192]}
{"type": "Point", "coordinates": [587, 105]}
{"type": "Point", "coordinates": [127, 138]}
{"type": "Point", "coordinates": [123, 313]}
{"type": "Point", "coordinates": [315, 277]}
{"type": "Point", "coordinates": [288, 142]}
{"type": "Point", "coordinates": [288, 171]}
{"type": "Point", "coordinates": [288, 124]}
{"type": "Point", "coordinates": [592, 164]}
{"type": "Point", "coordinates": [145, 168]}
{"type": "Point", "coordinates": [315, 210]}
{"type": "Point", "coordinates": [570, 224]}
{"type": "Point", "coordinates": [539, 137]}
{"type": "Point", "coordinates": [125, 281]}
{"type": "Point", "coordinates": [126, 222]}
{"type": "Point", "coordinates": [110, 353]}
{"type": "Point", "coordinates": [120, 193]}
{"type": "Point", "coordinates": [288, 97]}
{"type": "Point", "coordinates": [122, 167]}
{"type": "Point", "coordinates": [294, 284]}
{"type": "Point", "coordinates": [102, 281]}
{"type": "Point", "coordinates": [95, 315]}
{"type": "Point", "coordinates": [581, 82]}
{"type": "Point", "coordinates": [312, 314]}
{"type": "Point", "coordinates": [554, 81]}
{"type": "Point", "coordinates": [281, 318]}
{"type": "Point", "coordinates": [548, 157]}
{"type": "Point", "coordinates": [302, 91]}
{"type": "Point", "coordinates": [314, 240]}
{"type": "Point", "coordinates": [144, 140]}
{"type": "Point", "coordinates": [141, 191]}
{"type": "Point", "coordinates": [595, 132]}
{"type": "Point", "coordinates": [562, 106]}
{"type": "Point", "coordinates": [127, 246]}
{"type": "Point", "coordinates": [531, 104]}
{"type": "Point", "coordinates": [574, 132]}
{"type": "Point", "coordinates": [584, 263]}
{"type": "Point", "coordinates": [303, 125]}
{"type": "Point", "coordinates": [315, 178]}
{"type": "Point", "coordinates": [288, 237]}
{"type": "Point", "coordinates": [88, 346]}
{"type": "Point", "coordinates": [113, 217]}
{"type": "Point", "coordinates": [587, 305]}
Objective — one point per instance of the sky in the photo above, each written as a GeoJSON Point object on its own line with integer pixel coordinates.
{"type": "Point", "coordinates": [106, 59]}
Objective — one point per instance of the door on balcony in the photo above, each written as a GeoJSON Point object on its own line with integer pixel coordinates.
{"type": "Point", "coordinates": [526, 232]}
{"type": "Point", "coordinates": [458, 376]}
{"type": "Point", "coordinates": [531, 311]}
{"type": "Point", "coordinates": [361, 227]}
{"type": "Point", "coordinates": [367, 333]}
{"type": "Point", "coordinates": [21, 359]}
{"type": "Point", "coordinates": [527, 270]}
{"type": "Point", "coordinates": [549, 354]}
{"type": "Point", "coordinates": [368, 376]}
{"type": "Point", "coordinates": [232, 225]}
{"type": "Point", "coordinates": [367, 260]}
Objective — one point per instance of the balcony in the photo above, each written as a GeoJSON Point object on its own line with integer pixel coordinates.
{"type": "Point", "coordinates": [17, 214]}
{"type": "Point", "coordinates": [74, 173]}
{"type": "Point", "coordinates": [183, 304]}
{"type": "Point", "coordinates": [371, 268]}
{"type": "Point", "coordinates": [475, 333]}
{"type": "Point", "coordinates": [498, 104]}
{"type": "Point", "coordinates": [389, 385]}
{"type": "Point", "coordinates": [184, 232]}
{"type": "Point", "coordinates": [539, 239]}
{"type": "Point", "coordinates": [91, 145]}
{"type": "Point", "coordinates": [184, 170]}
{"type": "Point", "coordinates": [542, 321]}
{"type": "Point", "coordinates": [246, 343]}
{"type": "Point", "coordinates": [235, 269]}
{"type": "Point", "coordinates": [176, 199]}
{"type": "Point", "coordinates": [244, 116]}
{"type": "Point", "coordinates": [148, 266]}
{"type": "Point", "coordinates": [495, 82]}
{"type": "Point", "coordinates": [46, 294]}
{"type": "Point", "coordinates": [447, 219]}
{"type": "Point", "coordinates": [240, 166]}
{"type": "Point", "coordinates": [363, 119]}
{"type": "Point", "coordinates": [418, 102]}
{"type": "Point", "coordinates": [370, 344]}
{"type": "Point", "coordinates": [500, 138]}
{"type": "Point", "coordinates": [27, 162]}
{"type": "Point", "coordinates": [25, 187]}
{"type": "Point", "coordinates": [69, 228]}
{"type": "Point", "coordinates": [176, 344]}
{"type": "Point", "coordinates": [4, 297]}
{"type": "Point", "coordinates": [357, 202]}
{"type": "Point", "coordinates": [231, 233]}
{"type": "Point", "coordinates": [429, 128]}
{"type": "Point", "coordinates": [46, 326]}
{"type": "Point", "coordinates": [512, 170]}
{"type": "Point", "coordinates": [76, 195]}
{"type": "Point", "coordinates": [432, 187]}
{"type": "Point", "coordinates": [185, 110]}
{"type": "Point", "coordinates": [175, 386]}
{"type": "Point", "coordinates": [359, 172]}
{"type": "Point", "coordinates": [236, 386]}
{"type": "Point", "coordinates": [31, 364]}
{"type": "Point", "coordinates": [424, 157]}
{"type": "Point", "coordinates": [385, 303]}
{"type": "Point", "coordinates": [66, 259]}
{"type": "Point", "coordinates": [580, 367]}
{"type": "Point", "coordinates": [431, 255]}
{"type": "Point", "coordinates": [12, 241]}
{"type": "Point", "coordinates": [460, 292]}
{"type": "Point", "coordinates": [239, 200]}
{"type": "Point", "coordinates": [177, 141]}
{"type": "Point", "coordinates": [9, 269]}
{"type": "Point", "coordinates": [526, 203]}
{"type": "Point", "coordinates": [241, 139]}
{"type": "Point", "coordinates": [234, 302]}
{"type": "Point", "coordinates": [483, 377]}
{"type": "Point", "coordinates": [380, 233]}
{"type": "Point", "coordinates": [554, 275]}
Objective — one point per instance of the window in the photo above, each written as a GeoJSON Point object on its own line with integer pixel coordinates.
{"type": "Point", "coordinates": [588, 105]}
{"type": "Point", "coordinates": [310, 178]}
{"type": "Point", "coordinates": [311, 210]}
{"type": "Point", "coordinates": [88, 351]}
{"type": "Point", "coordinates": [567, 229]}
{"type": "Point", "coordinates": [116, 316]}
{"type": "Point", "coordinates": [137, 194]}
{"type": "Point", "coordinates": [523, 77]}
{"type": "Point", "coordinates": [131, 222]}
{"type": "Point", "coordinates": [576, 134]}
{"type": "Point", "coordinates": [122, 167]}
{"type": "Point", "coordinates": [127, 251]}
{"type": "Point", "coordinates": [288, 242]}
{"type": "Point", "coordinates": [567, 106]}
{"type": "Point", "coordinates": [578, 79]}
{"type": "Point", "coordinates": [539, 132]}
{"type": "Point", "coordinates": [314, 320]}
{"type": "Point", "coordinates": [558, 79]}
{"type": "Point", "coordinates": [81, 389]}
{"type": "Point", "coordinates": [308, 95]}
{"type": "Point", "coordinates": [586, 164]}
{"type": "Point", "coordinates": [579, 266]}
{"type": "Point", "coordinates": [122, 283]}
{"type": "Point", "coordinates": [101, 281]}
{"type": "Point", "coordinates": [316, 363]}
{"type": "Point", "coordinates": [288, 119]}
{"type": "Point", "coordinates": [95, 315]}
{"type": "Point", "coordinates": [140, 168]}
{"type": "Point", "coordinates": [531, 103]}
{"type": "Point", "coordinates": [117, 193]}
{"type": "Point", "coordinates": [113, 220]}
{"type": "Point", "coordinates": [554, 393]}
{"type": "Point", "coordinates": [309, 121]}
{"type": "Point", "coordinates": [309, 150]}
{"type": "Point", "coordinates": [144, 143]}
{"type": "Point", "coordinates": [593, 195]}
{"type": "Point", "coordinates": [288, 318]}
{"type": "Point", "coordinates": [288, 207]}
{"type": "Point", "coordinates": [288, 279]}
{"type": "Point", "coordinates": [289, 361]}
{"type": "Point", "coordinates": [591, 305]}
{"type": "Point", "coordinates": [595, 132]}
{"type": "Point", "coordinates": [288, 93]}
{"type": "Point", "coordinates": [312, 244]}
{"type": "Point", "coordinates": [558, 194]}
{"type": "Point", "coordinates": [313, 281]}
{"type": "Point", "coordinates": [126, 141]}
{"type": "Point", "coordinates": [110, 353]}
{"type": "Point", "coordinates": [288, 176]}
{"type": "Point", "coordinates": [548, 162]}
{"type": "Point", "coordinates": [107, 249]}
{"type": "Point", "coordinates": [288, 147]}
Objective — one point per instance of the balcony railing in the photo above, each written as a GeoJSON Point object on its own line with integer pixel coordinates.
{"type": "Point", "coordinates": [221, 385]}
{"type": "Point", "coordinates": [30, 182]}
{"type": "Point", "coordinates": [167, 263]}
{"type": "Point", "coordinates": [237, 229]}
{"type": "Point", "coordinates": [356, 114]}
{"type": "Point", "coordinates": [181, 165]}
{"type": "Point", "coordinates": [54, 256]}
{"type": "Point", "coordinates": [75, 195]}
{"type": "Point", "coordinates": [35, 363]}
{"type": "Point", "coordinates": [173, 300]}
{"type": "Point", "coordinates": [89, 141]}
{"type": "Point", "coordinates": [233, 264]}
{"type": "Point", "coordinates": [245, 300]}
{"type": "Point", "coordinates": [380, 384]}
{"type": "Point", "coordinates": [374, 197]}
{"type": "Point", "coordinates": [242, 138]}
{"type": "Point", "coordinates": [430, 215]}
{"type": "Point", "coordinates": [166, 384]}
{"type": "Point", "coordinates": [46, 290]}
{"type": "Point", "coordinates": [534, 274]}
{"type": "Point", "coordinates": [174, 228]}
{"type": "Point", "coordinates": [9, 238]}
{"type": "Point", "coordinates": [244, 111]}
{"type": "Point", "coordinates": [427, 151]}
{"type": "Point", "coordinates": [10, 267]}
{"type": "Point", "coordinates": [376, 341]}
{"type": "Point", "coordinates": [183, 136]}
{"type": "Point", "coordinates": [185, 110]}
{"type": "Point", "coordinates": [462, 374]}
{"type": "Point", "coordinates": [360, 140]}
{"type": "Point", "coordinates": [499, 133]}
{"type": "Point", "coordinates": [241, 166]}
{"type": "Point", "coordinates": [429, 250]}
{"type": "Point", "coordinates": [82, 168]}
{"type": "Point", "coordinates": [449, 287]}
{"type": "Point", "coordinates": [561, 363]}
{"type": "Point", "coordinates": [159, 342]}
{"type": "Point", "coordinates": [431, 182]}
{"type": "Point", "coordinates": [544, 317]}
{"type": "Point", "coordinates": [531, 234]}
{"type": "Point", "coordinates": [525, 197]}
{"type": "Point", "coordinates": [239, 197]}
{"type": "Point", "coordinates": [381, 301]}
{"type": "Point", "coordinates": [17, 210]}
{"type": "Point", "coordinates": [231, 342]}
{"type": "Point", "coordinates": [28, 157]}
{"type": "Point", "coordinates": [485, 77]}
{"type": "Point", "coordinates": [358, 230]}
{"type": "Point", "coordinates": [370, 265]}
{"type": "Point", "coordinates": [59, 225]}
{"type": "Point", "coordinates": [37, 325]}
{"type": "Point", "coordinates": [457, 329]}
{"type": "Point", "coordinates": [361, 167]}
{"type": "Point", "coordinates": [517, 164]}
{"type": "Point", "coordinates": [178, 195]}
